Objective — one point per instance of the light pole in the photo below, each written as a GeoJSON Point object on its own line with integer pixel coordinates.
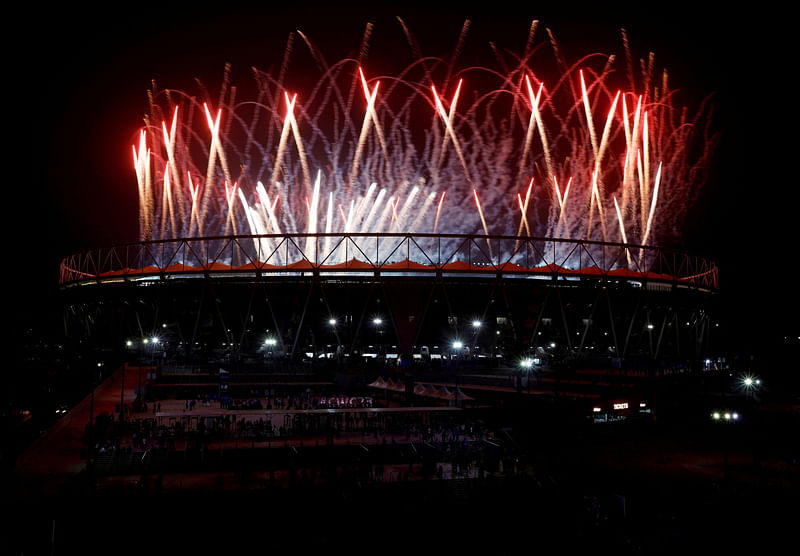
{"type": "Point", "coordinates": [378, 323]}
{"type": "Point", "coordinates": [526, 365]}
{"type": "Point", "coordinates": [750, 383]}
{"type": "Point", "coordinates": [457, 345]}
{"type": "Point", "coordinates": [122, 393]}
{"type": "Point", "coordinates": [476, 328]}
{"type": "Point", "coordinates": [90, 435]}
{"type": "Point", "coordinates": [725, 418]}
{"type": "Point", "coordinates": [332, 322]}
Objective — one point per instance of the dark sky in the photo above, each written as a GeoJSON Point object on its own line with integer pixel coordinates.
{"type": "Point", "coordinates": [78, 81]}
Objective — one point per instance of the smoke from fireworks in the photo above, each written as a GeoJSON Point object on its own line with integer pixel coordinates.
{"type": "Point", "coordinates": [574, 158]}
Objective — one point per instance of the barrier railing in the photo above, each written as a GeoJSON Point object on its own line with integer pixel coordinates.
{"type": "Point", "coordinates": [510, 256]}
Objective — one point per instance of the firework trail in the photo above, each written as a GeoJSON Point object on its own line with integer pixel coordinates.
{"type": "Point", "coordinates": [355, 153]}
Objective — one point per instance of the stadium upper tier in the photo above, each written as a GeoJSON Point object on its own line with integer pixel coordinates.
{"type": "Point", "coordinates": [252, 256]}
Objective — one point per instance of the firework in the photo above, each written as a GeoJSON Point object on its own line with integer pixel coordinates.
{"type": "Point", "coordinates": [575, 157]}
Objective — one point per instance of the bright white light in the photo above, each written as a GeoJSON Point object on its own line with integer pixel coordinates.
{"type": "Point", "coordinates": [476, 324]}
{"type": "Point", "coordinates": [526, 363]}
{"type": "Point", "coordinates": [748, 381]}
{"type": "Point", "coordinates": [377, 321]}
{"type": "Point", "coordinates": [332, 322]}
{"type": "Point", "coordinates": [735, 416]}
{"type": "Point", "coordinates": [129, 343]}
{"type": "Point", "coordinates": [596, 409]}
{"type": "Point", "coordinates": [457, 345]}
{"type": "Point", "coordinates": [715, 416]}
{"type": "Point", "coordinates": [270, 341]}
{"type": "Point", "coordinates": [727, 416]}
{"type": "Point", "coordinates": [155, 339]}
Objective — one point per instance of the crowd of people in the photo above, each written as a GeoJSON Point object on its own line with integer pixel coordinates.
{"type": "Point", "coordinates": [443, 444]}
{"type": "Point", "coordinates": [269, 400]}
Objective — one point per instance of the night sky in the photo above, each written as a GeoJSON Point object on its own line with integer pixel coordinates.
{"type": "Point", "coordinates": [78, 80]}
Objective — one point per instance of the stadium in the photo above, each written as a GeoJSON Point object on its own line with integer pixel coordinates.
{"type": "Point", "coordinates": [443, 306]}
{"type": "Point", "coordinates": [407, 304]}
{"type": "Point", "coordinates": [426, 284]}
{"type": "Point", "coordinates": [434, 249]}
{"type": "Point", "coordinates": [422, 367]}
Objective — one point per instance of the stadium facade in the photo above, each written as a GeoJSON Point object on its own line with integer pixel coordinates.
{"type": "Point", "coordinates": [395, 300]}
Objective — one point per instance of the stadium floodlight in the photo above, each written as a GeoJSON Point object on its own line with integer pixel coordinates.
{"type": "Point", "coordinates": [750, 383]}
{"type": "Point", "coordinates": [726, 416]}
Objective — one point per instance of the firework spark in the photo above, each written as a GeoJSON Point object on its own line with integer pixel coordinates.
{"type": "Point", "coordinates": [338, 166]}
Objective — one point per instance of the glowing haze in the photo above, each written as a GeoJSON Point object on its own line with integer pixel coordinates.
{"type": "Point", "coordinates": [597, 153]}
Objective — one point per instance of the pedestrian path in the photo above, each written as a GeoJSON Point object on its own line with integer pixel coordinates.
{"type": "Point", "coordinates": [60, 452]}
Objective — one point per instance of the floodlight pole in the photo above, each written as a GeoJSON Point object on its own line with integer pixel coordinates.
{"type": "Point", "coordinates": [122, 394]}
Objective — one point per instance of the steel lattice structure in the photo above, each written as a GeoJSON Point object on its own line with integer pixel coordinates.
{"type": "Point", "coordinates": [409, 254]}
{"type": "Point", "coordinates": [321, 295]}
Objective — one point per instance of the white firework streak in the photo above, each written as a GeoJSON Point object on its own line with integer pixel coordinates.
{"type": "Point", "coordinates": [478, 156]}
